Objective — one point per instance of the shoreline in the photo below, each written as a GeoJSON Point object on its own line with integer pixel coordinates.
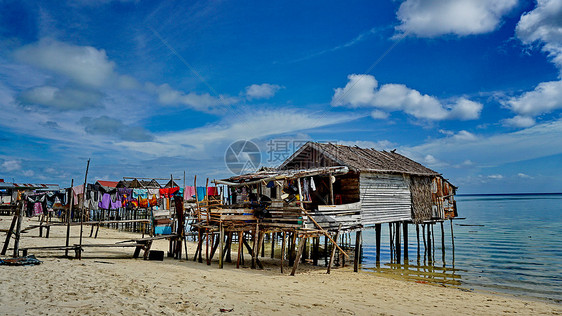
{"type": "Point", "coordinates": [110, 281]}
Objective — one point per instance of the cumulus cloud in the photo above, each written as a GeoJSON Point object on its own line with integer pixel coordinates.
{"type": "Point", "coordinates": [430, 18]}
{"type": "Point", "coordinates": [543, 25]}
{"type": "Point", "coordinates": [11, 165]}
{"type": "Point", "coordinates": [361, 91]}
{"type": "Point", "coordinates": [85, 65]}
{"type": "Point", "coordinates": [524, 176]}
{"type": "Point", "coordinates": [519, 121]}
{"type": "Point", "coordinates": [66, 98]}
{"type": "Point", "coordinates": [261, 91]}
{"type": "Point", "coordinates": [202, 102]}
{"type": "Point", "coordinates": [106, 126]}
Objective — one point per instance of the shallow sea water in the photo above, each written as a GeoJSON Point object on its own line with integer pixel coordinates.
{"type": "Point", "coordinates": [507, 243]}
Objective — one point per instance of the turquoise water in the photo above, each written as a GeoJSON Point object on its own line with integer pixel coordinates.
{"type": "Point", "coordinates": [507, 243]}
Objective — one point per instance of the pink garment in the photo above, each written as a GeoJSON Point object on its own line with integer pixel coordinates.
{"type": "Point", "coordinates": [76, 191]}
{"type": "Point", "coordinates": [189, 192]}
{"type": "Point", "coordinates": [37, 209]}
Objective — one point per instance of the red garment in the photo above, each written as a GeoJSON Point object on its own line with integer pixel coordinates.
{"type": "Point", "coordinates": [212, 191]}
{"type": "Point", "coordinates": [168, 192]}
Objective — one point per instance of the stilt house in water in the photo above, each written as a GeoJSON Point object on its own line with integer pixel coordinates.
{"type": "Point", "coordinates": [324, 189]}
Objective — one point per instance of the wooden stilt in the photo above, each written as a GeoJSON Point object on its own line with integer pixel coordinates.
{"type": "Point", "coordinates": [304, 254]}
{"type": "Point", "coordinates": [315, 246]}
{"type": "Point", "coordinates": [325, 251]}
{"type": "Point", "coordinates": [18, 232]}
{"type": "Point", "coordinates": [68, 219]}
{"type": "Point", "coordinates": [333, 250]}
{"type": "Point", "coordinates": [9, 235]}
{"type": "Point", "coordinates": [255, 247]}
{"type": "Point", "coordinates": [405, 233]}
{"type": "Point", "coordinates": [452, 236]}
{"type": "Point", "coordinates": [228, 247]}
{"type": "Point", "coordinates": [378, 242]}
{"type": "Point", "coordinates": [357, 250]}
{"type": "Point", "coordinates": [391, 240]}
{"type": "Point", "coordinates": [221, 246]}
{"type": "Point", "coordinates": [207, 238]}
{"type": "Point", "coordinates": [398, 250]}
{"type": "Point", "coordinates": [283, 245]}
{"type": "Point", "coordinates": [442, 243]}
{"type": "Point", "coordinates": [260, 243]}
{"type": "Point", "coordinates": [240, 249]}
{"type": "Point", "coordinates": [429, 243]}
{"type": "Point", "coordinates": [273, 235]}
{"type": "Point", "coordinates": [299, 254]}
{"type": "Point", "coordinates": [82, 204]}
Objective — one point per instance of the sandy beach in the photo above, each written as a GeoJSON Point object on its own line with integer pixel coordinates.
{"type": "Point", "coordinates": [108, 282]}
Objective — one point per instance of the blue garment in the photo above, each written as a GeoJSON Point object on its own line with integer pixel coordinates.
{"type": "Point", "coordinates": [201, 192]}
{"type": "Point", "coordinates": [142, 193]}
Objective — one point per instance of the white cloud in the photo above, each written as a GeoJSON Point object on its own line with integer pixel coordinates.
{"type": "Point", "coordinates": [519, 121]}
{"type": "Point", "coordinates": [191, 143]}
{"type": "Point", "coordinates": [546, 97]}
{"type": "Point", "coordinates": [261, 91]}
{"type": "Point", "coordinates": [28, 173]}
{"type": "Point", "coordinates": [541, 140]}
{"type": "Point", "coordinates": [430, 18]}
{"type": "Point", "coordinates": [495, 177]}
{"type": "Point", "coordinates": [379, 115]}
{"type": "Point", "coordinates": [361, 91]}
{"type": "Point", "coordinates": [465, 136]}
{"type": "Point", "coordinates": [84, 65]}
{"type": "Point", "coordinates": [544, 25]}
{"type": "Point", "coordinates": [11, 165]}
{"type": "Point", "coordinates": [524, 176]}
{"type": "Point", "coordinates": [106, 126]}
{"type": "Point", "coordinates": [202, 102]}
{"type": "Point", "coordinates": [61, 98]}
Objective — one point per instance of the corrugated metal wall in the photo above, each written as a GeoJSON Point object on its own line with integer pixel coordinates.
{"type": "Point", "coordinates": [385, 198]}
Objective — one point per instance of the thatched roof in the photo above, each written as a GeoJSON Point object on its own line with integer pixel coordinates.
{"type": "Point", "coordinates": [355, 158]}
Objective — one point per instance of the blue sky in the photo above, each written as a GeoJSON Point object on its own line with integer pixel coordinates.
{"type": "Point", "coordinates": [470, 88]}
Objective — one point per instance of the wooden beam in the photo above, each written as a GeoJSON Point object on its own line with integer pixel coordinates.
{"type": "Point", "coordinates": [9, 234]}
{"type": "Point", "coordinates": [358, 243]}
{"type": "Point", "coordinates": [299, 254]}
{"type": "Point", "coordinates": [68, 220]}
{"type": "Point", "coordinates": [221, 246]}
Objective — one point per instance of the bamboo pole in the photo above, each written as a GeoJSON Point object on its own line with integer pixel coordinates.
{"type": "Point", "coordinates": [82, 206]}
{"type": "Point", "coordinates": [68, 215]}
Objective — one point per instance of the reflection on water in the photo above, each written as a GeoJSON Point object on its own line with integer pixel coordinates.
{"type": "Point", "coordinates": [506, 244]}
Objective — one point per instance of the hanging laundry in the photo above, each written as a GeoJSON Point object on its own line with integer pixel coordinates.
{"type": "Point", "coordinates": [154, 192]}
{"type": "Point", "coordinates": [76, 191]}
{"type": "Point", "coordinates": [37, 209]}
{"type": "Point", "coordinates": [140, 193]}
{"type": "Point", "coordinates": [201, 193]}
{"type": "Point", "coordinates": [189, 192]}
{"type": "Point", "coordinates": [312, 184]}
{"type": "Point", "coordinates": [105, 202]}
{"type": "Point", "coordinates": [212, 191]}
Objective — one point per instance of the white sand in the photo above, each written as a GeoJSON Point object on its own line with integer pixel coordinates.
{"type": "Point", "coordinates": [109, 281]}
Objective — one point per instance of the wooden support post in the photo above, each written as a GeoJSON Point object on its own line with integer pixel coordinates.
{"type": "Point", "coordinates": [240, 249]}
{"type": "Point", "coordinates": [299, 254]}
{"type": "Point", "coordinates": [221, 246]}
{"type": "Point", "coordinates": [418, 238]}
{"type": "Point", "coordinates": [442, 242]}
{"type": "Point", "coordinates": [228, 248]}
{"type": "Point", "coordinates": [273, 237]}
{"type": "Point", "coordinates": [433, 241]}
{"type": "Point", "coordinates": [333, 250]}
{"type": "Point", "coordinates": [68, 218]}
{"type": "Point", "coordinates": [82, 204]}
{"type": "Point", "coordinates": [315, 247]}
{"type": "Point", "coordinates": [260, 243]}
{"type": "Point", "coordinates": [358, 243]}
{"type": "Point", "coordinates": [255, 246]}
{"type": "Point", "coordinates": [325, 251]}
{"type": "Point", "coordinates": [9, 235]}
{"type": "Point", "coordinates": [452, 237]}
{"type": "Point", "coordinates": [207, 237]}
{"type": "Point", "coordinates": [283, 246]}
{"type": "Point", "coordinates": [304, 254]}
{"type": "Point", "coordinates": [391, 241]}
{"type": "Point", "coordinates": [331, 186]}
{"type": "Point", "coordinates": [405, 233]}
{"type": "Point", "coordinates": [398, 250]}
{"type": "Point", "coordinates": [429, 243]}
{"type": "Point", "coordinates": [378, 242]}
{"type": "Point", "coordinates": [18, 232]}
